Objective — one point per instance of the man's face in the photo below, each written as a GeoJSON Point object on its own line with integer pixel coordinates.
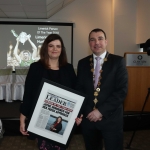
{"type": "Point", "coordinates": [26, 56]}
{"type": "Point", "coordinates": [97, 43]}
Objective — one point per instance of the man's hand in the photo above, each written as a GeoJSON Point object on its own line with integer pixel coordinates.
{"type": "Point", "coordinates": [28, 36]}
{"type": "Point", "coordinates": [18, 39]}
{"type": "Point", "coordinates": [95, 116]}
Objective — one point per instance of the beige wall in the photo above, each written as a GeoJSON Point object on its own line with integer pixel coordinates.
{"type": "Point", "coordinates": [87, 15]}
{"type": "Point", "coordinates": [125, 26]}
{"type": "Point", "coordinates": [143, 21]}
{"type": "Point", "coordinates": [126, 23]}
{"type": "Point", "coordinates": [117, 17]}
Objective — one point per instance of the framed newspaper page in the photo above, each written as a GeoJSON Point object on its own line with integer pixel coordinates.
{"type": "Point", "coordinates": [55, 102]}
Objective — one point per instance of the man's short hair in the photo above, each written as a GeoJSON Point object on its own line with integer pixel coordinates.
{"type": "Point", "coordinates": [97, 30]}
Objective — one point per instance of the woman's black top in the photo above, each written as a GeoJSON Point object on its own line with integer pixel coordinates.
{"type": "Point", "coordinates": [54, 75]}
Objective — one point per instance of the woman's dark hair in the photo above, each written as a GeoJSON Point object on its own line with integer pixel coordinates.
{"type": "Point", "coordinates": [97, 30]}
{"type": "Point", "coordinates": [57, 119]}
{"type": "Point", "coordinates": [44, 57]}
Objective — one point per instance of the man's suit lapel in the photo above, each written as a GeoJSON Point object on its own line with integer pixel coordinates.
{"type": "Point", "coordinates": [106, 69]}
{"type": "Point", "coordinates": [90, 72]}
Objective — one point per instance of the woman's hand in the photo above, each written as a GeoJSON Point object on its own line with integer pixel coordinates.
{"type": "Point", "coordinates": [53, 129]}
{"type": "Point", "coordinates": [78, 120]}
{"type": "Point", "coordinates": [22, 125]}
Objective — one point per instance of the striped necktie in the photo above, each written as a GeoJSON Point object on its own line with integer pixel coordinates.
{"type": "Point", "coordinates": [97, 71]}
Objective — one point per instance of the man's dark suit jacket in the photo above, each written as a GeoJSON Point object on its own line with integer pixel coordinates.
{"type": "Point", "coordinates": [33, 81]}
{"type": "Point", "coordinates": [113, 90]}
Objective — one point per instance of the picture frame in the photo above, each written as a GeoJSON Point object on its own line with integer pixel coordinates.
{"type": "Point", "coordinates": [55, 102]}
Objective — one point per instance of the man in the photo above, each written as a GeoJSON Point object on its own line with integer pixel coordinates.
{"type": "Point", "coordinates": [26, 58]}
{"type": "Point", "coordinates": [103, 106]}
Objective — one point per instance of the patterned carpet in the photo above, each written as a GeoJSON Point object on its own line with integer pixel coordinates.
{"type": "Point", "coordinates": [13, 140]}
{"type": "Point", "coordinates": [141, 141]}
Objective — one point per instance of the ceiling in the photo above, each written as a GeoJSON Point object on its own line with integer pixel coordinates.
{"type": "Point", "coordinates": [31, 9]}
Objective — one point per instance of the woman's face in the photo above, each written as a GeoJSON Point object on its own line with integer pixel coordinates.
{"type": "Point", "coordinates": [54, 49]}
{"type": "Point", "coordinates": [59, 120]}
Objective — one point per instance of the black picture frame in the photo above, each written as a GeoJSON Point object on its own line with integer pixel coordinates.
{"type": "Point", "coordinates": [54, 101]}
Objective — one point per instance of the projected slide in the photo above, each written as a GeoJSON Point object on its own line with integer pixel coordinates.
{"type": "Point", "coordinates": [20, 44]}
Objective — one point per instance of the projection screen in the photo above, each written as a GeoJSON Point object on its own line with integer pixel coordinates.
{"type": "Point", "coordinates": [25, 37]}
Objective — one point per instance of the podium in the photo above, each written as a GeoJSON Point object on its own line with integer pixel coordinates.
{"type": "Point", "coordinates": [138, 67]}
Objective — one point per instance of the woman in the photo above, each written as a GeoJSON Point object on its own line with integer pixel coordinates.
{"type": "Point", "coordinates": [57, 125]}
{"type": "Point", "coordinates": [53, 66]}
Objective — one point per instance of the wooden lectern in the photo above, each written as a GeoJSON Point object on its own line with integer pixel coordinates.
{"type": "Point", "coordinates": [138, 67]}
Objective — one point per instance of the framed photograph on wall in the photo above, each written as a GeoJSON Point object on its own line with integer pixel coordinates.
{"type": "Point", "coordinates": [55, 112]}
